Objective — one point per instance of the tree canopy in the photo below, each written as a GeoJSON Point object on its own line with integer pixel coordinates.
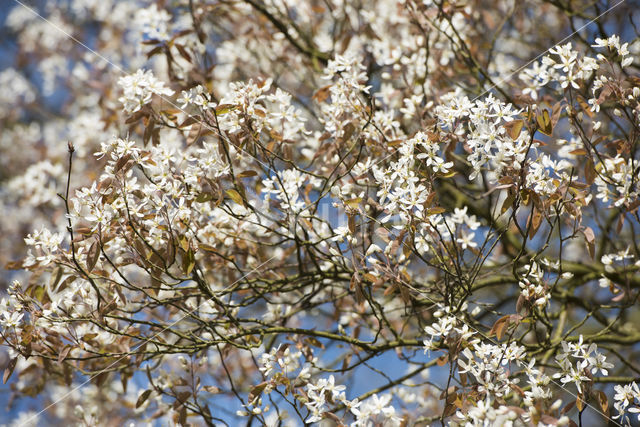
{"type": "Point", "coordinates": [336, 212]}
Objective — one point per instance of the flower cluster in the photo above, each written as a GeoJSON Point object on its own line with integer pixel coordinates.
{"type": "Point", "coordinates": [534, 290]}
{"type": "Point", "coordinates": [578, 362]}
{"type": "Point", "coordinates": [139, 89]}
{"type": "Point", "coordinates": [337, 185]}
{"type": "Point", "coordinates": [626, 399]}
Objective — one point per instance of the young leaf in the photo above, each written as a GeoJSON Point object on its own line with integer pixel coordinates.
{"type": "Point", "coordinates": [143, 398]}
{"type": "Point", "coordinates": [544, 123]}
{"type": "Point", "coordinates": [235, 196]}
{"type": "Point", "coordinates": [514, 128]}
{"type": "Point", "coordinates": [93, 255]}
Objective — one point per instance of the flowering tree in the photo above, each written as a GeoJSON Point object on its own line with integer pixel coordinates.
{"type": "Point", "coordinates": [389, 212]}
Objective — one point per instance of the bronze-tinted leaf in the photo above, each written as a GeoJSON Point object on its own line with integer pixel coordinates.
{"type": "Point", "coordinates": [590, 239]}
{"type": "Point", "coordinates": [142, 398]}
{"type": "Point", "coordinates": [590, 171]}
{"type": "Point", "coordinates": [9, 369]}
{"type": "Point", "coordinates": [93, 255]}
{"type": "Point", "coordinates": [235, 196]}
{"type": "Point", "coordinates": [535, 221]}
{"type": "Point", "coordinates": [514, 128]}
{"type": "Point", "coordinates": [64, 353]}
{"type": "Point", "coordinates": [544, 123]}
{"type": "Point", "coordinates": [247, 174]}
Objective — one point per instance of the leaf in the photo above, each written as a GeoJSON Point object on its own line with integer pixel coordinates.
{"type": "Point", "coordinates": [183, 396]}
{"type": "Point", "coordinates": [590, 239]}
{"type": "Point", "coordinates": [142, 398]}
{"type": "Point", "coordinates": [544, 123]}
{"type": "Point", "coordinates": [502, 323]}
{"type": "Point", "coordinates": [224, 109]}
{"type": "Point", "coordinates": [183, 52]}
{"type": "Point", "coordinates": [121, 162]}
{"type": "Point", "coordinates": [353, 203]}
{"type": "Point", "coordinates": [136, 116]}
{"type": "Point", "coordinates": [257, 391]}
{"type": "Point", "coordinates": [555, 113]}
{"type": "Point", "coordinates": [357, 286]}
{"type": "Point", "coordinates": [182, 416]}
{"type": "Point", "coordinates": [212, 389]}
{"type": "Point", "coordinates": [331, 416]}
{"type": "Point", "coordinates": [514, 128]}
{"type": "Point", "coordinates": [156, 50]}
{"type": "Point", "coordinates": [322, 94]}
{"type": "Point", "coordinates": [348, 131]}
{"type": "Point", "coordinates": [383, 233]}
{"type": "Point", "coordinates": [391, 289]}
{"type": "Point", "coordinates": [207, 248]}
{"type": "Point", "coordinates": [64, 353]}
{"type": "Point", "coordinates": [536, 220]}
{"type": "Point", "coordinates": [189, 121]}
{"type": "Point", "coordinates": [148, 131]}
{"type": "Point", "coordinates": [436, 210]}
{"type": "Point", "coordinates": [184, 243]}
{"type": "Point", "coordinates": [508, 202]}
{"type": "Point", "coordinates": [14, 265]}
{"type": "Point", "coordinates": [603, 401]}
{"type": "Point", "coordinates": [590, 171]}
{"type": "Point", "coordinates": [188, 262]}
{"type": "Point", "coordinates": [55, 278]}
{"type": "Point", "coordinates": [9, 369]}
{"type": "Point", "coordinates": [442, 360]}
{"type": "Point", "coordinates": [92, 256]}
{"type": "Point", "coordinates": [39, 293]}
{"type": "Point", "coordinates": [580, 402]}
{"type": "Point", "coordinates": [579, 152]}
{"type": "Point", "coordinates": [314, 342]}
{"type": "Point", "coordinates": [449, 174]}
{"type": "Point", "coordinates": [247, 174]}
{"type": "Point", "coordinates": [204, 197]}
{"type": "Point", "coordinates": [351, 221]}
{"type": "Point", "coordinates": [235, 196]}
